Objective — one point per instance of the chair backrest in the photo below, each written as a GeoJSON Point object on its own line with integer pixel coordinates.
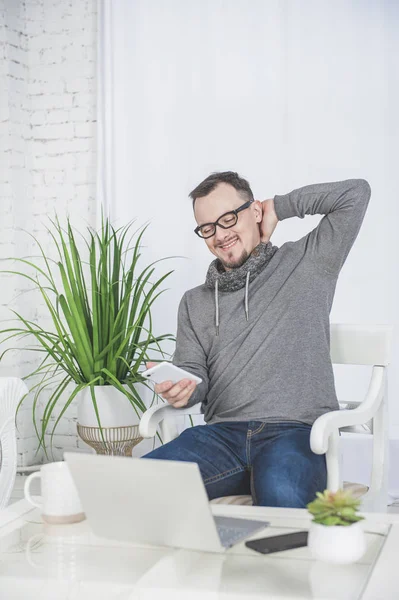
{"type": "Point", "coordinates": [360, 344]}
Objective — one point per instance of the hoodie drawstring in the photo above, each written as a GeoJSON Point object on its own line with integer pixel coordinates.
{"type": "Point", "coordinates": [246, 304]}
{"type": "Point", "coordinates": [246, 295]}
{"type": "Point", "coordinates": [217, 306]}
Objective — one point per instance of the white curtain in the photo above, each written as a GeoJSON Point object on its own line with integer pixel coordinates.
{"type": "Point", "coordinates": [287, 93]}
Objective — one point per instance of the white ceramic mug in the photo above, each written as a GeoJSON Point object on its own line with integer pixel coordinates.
{"type": "Point", "coordinates": [59, 550]}
{"type": "Point", "coordinates": [59, 502]}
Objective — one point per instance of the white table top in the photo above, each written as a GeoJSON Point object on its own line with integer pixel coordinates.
{"type": "Point", "coordinates": [68, 562]}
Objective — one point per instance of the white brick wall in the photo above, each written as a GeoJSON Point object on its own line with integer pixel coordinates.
{"type": "Point", "coordinates": [48, 154]}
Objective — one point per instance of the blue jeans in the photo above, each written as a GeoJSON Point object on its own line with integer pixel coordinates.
{"type": "Point", "coordinates": [271, 461]}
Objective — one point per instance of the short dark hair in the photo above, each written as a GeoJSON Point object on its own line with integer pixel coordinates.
{"type": "Point", "coordinates": [209, 184]}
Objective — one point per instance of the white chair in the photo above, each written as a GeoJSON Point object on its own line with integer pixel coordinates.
{"type": "Point", "coordinates": [349, 344]}
{"type": "Point", "coordinates": [12, 390]}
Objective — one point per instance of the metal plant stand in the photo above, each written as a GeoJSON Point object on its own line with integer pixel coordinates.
{"type": "Point", "coordinates": [118, 441]}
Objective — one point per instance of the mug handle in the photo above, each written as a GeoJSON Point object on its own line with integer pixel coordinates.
{"type": "Point", "coordinates": [28, 481]}
{"type": "Point", "coordinates": [28, 549]}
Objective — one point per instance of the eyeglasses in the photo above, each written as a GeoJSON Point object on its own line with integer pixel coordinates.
{"type": "Point", "coordinates": [226, 221]}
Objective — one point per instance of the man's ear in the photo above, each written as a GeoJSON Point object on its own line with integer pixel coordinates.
{"type": "Point", "coordinates": [258, 211]}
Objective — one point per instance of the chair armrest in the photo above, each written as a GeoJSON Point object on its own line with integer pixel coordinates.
{"type": "Point", "coordinates": [333, 421]}
{"type": "Point", "coordinates": [152, 417]}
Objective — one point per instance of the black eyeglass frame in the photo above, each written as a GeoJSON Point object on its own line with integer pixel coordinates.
{"type": "Point", "coordinates": [216, 223]}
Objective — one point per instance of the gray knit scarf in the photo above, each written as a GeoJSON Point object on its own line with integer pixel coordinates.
{"type": "Point", "coordinates": [230, 281]}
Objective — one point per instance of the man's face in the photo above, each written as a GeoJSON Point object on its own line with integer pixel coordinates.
{"type": "Point", "coordinates": [234, 245]}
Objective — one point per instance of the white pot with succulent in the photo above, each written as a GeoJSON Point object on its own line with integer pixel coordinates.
{"type": "Point", "coordinates": [101, 334]}
{"type": "Point", "coordinates": [336, 534]}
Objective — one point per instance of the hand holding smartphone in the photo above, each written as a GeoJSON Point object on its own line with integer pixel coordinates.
{"type": "Point", "coordinates": [181, 383]}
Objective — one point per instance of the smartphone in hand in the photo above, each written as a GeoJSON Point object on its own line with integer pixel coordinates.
{"type": "Point", "coordinates": [165, 371]}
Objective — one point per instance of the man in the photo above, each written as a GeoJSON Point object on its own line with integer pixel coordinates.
{"type": "Point", "coordinates": [257, 333]}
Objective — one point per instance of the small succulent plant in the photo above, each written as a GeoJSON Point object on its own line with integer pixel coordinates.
{"type": "Point", "coordinates": [335, 508]}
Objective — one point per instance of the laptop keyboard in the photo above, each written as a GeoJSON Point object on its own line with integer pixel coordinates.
{"type": "Point", "coordinates": [229, 536]}
{"type": "Point", "coordinates": [233, 530]}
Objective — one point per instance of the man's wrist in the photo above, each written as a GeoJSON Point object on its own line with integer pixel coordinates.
{"type": "Point", "coordinates": [273, 210]}
{"type": "Point", "coordinates": [269, 220]}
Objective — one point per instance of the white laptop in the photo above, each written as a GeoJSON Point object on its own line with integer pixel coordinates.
{"type": "Point", "coordinates": [150, 501]}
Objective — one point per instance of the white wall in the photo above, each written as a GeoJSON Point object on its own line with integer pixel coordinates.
{"type": "Point", "coordinates": [48, 153]}
{"type": "Point", "coordinates": [286, 93]}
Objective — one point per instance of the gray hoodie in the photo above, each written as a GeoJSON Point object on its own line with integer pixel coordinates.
{"type": "Point", "coordinates": [259, 335]}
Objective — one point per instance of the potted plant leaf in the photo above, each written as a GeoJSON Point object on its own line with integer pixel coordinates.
{"type": "Point", "coordinates": [336, 534]}
{"type": "Point", "coordinates": [99, 305]}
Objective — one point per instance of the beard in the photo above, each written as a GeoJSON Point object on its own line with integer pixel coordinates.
{"type": "Point", "coordinates": [237, 263]}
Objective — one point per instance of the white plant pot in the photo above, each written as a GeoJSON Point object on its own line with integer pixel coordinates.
{"type": "Point", "coordinates": [114, 408]}
{"type": "Point", "coordinates": [337, 544]}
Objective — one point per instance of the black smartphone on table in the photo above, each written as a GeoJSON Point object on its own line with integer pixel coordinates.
{"type": "Point", "coordinates": [277, 543]}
